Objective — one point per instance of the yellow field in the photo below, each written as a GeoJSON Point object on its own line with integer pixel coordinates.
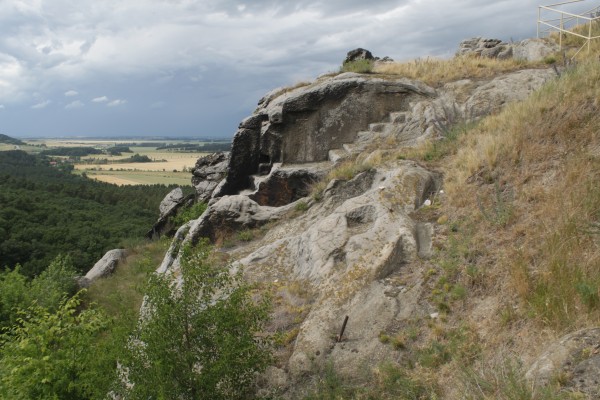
{"type": "Point", "coordinates": [141, 177]}
{"type": "Point", "coordinates": [169, 167]}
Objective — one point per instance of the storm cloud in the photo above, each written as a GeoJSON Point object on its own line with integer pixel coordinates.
{"type": "Point", "coordinates": [196, 67]}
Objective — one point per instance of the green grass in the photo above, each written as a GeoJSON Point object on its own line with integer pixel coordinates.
{"type": "Point", "coordinates": [119, 293]}
{"type": "Point", "coordinates": [359, 66]}
{"type": "Point", "coordinates": [388, 381]}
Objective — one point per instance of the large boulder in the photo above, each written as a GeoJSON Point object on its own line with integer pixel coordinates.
{"type": "Point", "coordinates": [171, 201]}
{"type": "Point", "coordinates": [285, 185]}
{"type": "Point", "coordinates": [528, 49]}
{"type": "Point", "coordinates": [358, 54]}
{"type": "Point", "coordinates": [301, 125]}
{"type": "Point", "coordinates": [492, 96]}
{"type": "Point", "coordinates": [208, 172]}
{"type": "Point", "coordinates": [168, 207]}
{"type": "Point", "coordinates": [104, 267]}
{"type": "Point", "coordinates": [534, 49]}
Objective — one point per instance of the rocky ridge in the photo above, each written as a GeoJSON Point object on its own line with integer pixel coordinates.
{"type": "Point", "coordinates": [355, 251]}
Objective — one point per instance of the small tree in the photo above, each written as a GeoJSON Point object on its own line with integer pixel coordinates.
{"type": "Point", "coordinates": [201, 337]}
{"type": "Point", "coordinates": [57, 355]}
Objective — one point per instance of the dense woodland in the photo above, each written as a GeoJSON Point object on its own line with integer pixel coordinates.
{"type": "Point", "coordinates": [45, 211]}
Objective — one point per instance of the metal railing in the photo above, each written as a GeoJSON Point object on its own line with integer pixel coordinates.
{"type": "Point", "coordinates": [564, 22]}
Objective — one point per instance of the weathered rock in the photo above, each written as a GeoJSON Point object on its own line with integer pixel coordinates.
{"type": "Point", "coordinates": [480, 47]}
{"type": "Point", "coordinates": [492, 96]}
{"type": "Point", "coordinates": [208, 172]}
{"type": "Point", "coordinates": [528, 49]}
{"type": "Point", "coordinates": [576, 356]}
{"type": "Point", "coordinates": [285, 186]}
{"type": "Point", "coordinates": [104, 267]}
{"type": "Point", "coordinates": [171, 200]}
{"type": "Point", "coordinates": [301, 125]}
{"type": "Point", "coordinates": [344, 248]}
{"type": "Point", "coordinates": [358, 54]}
{"type": "Point", "coordinates": [533, 49]}
{"type": "Point", "coordinates": [231, 213]}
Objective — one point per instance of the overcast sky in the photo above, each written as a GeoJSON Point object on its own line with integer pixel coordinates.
{"type": "Point", "coordinates": [197, 67]}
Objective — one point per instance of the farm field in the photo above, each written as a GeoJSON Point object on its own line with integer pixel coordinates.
{"type": "Point", "coordinates": [167, 167]}
{"type": "Point", "coordinates": [140, 177]}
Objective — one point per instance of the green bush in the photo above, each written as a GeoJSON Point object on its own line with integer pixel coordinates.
{"type": "Point", "coordinates": [199, 339]}
{"type": "Point", "coordinates": [188, 214]}
{"type": "Point", "coordinates": [358, 66]}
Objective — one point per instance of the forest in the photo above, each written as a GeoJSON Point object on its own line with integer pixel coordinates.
{"type": "Point", "coordinates": [47, 211]}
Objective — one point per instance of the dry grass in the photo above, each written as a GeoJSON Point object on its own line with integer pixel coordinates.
{"type": "Point", "coordinates": [522, 197]}
{"type": "Point", "coordinates": [546, 153]}
{"type": "Point", "coordinates": [435, 71]}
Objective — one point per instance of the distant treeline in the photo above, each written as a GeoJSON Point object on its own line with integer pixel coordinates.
{"type": "Point", "coordinates": [47, 211]}
{"type": "Point", "coordinates": [194, 147]}
{"type": "Point", "coordinates": [71, 151]}
{"type": "Point", "coordinates": [10, 140]}
{"type": "Point", "coordinates": [117, 150]}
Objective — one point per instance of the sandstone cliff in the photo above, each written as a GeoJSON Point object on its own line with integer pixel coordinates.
{"type": "Point", "coordinates": [358, 245]}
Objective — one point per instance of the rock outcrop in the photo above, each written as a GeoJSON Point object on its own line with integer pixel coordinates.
{"type": "Point", "coordinates": [168, 207]}
{"type": "Point", "coordinates": [208, 172]}
{"type": "Point", "coordinates": [104, 267]}
{"type": "Point", "coordinates": [350, 251]}
{"type": "Point", "coordinates": [358, 54]}
{"type": "Point", "coordinates": [527, 50]}
{"type": "Point", "coordinates": [303, 124]}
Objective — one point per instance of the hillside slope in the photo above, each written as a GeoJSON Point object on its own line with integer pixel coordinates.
{"type": "Point", "coordinates": [459, 244]}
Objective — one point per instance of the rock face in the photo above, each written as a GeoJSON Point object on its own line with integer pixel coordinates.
{"type": "Point", "coordinates": [302, 125]}
{"type": "Point", "coordinates": [528, 49]}
{"type": "Point", "coordinates": [285, 186]}
{"type": "Point", "coordinates": [358, 54]}
{"type": "Point", "coordinates": [208, 172]}
{"type": "Point", "coordinates": [104, 267]}
{"type": "Point", "coordinates": [168, 207]}
{"type": "Point", "coordinates": [350, 252]}
{"type": "Point", "coordinates": [576, 356]}
{"type": "Point", "coordinates": [170, 202]}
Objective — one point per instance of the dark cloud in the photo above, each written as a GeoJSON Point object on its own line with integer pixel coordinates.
{"type": "Point", "coordinates": [197, 66]}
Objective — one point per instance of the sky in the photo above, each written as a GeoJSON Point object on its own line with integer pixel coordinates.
{"type": "Point", "coordinates": [197, 67]}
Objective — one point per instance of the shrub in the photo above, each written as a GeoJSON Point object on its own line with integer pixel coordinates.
{"type": "Point", "coordinates": [199, 339]}
{"type": "Point", "coordinates": [358, 66]}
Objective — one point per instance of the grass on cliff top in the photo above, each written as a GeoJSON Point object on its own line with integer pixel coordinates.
{"type": "Point", "coordinates": [435, 71]}
{"type": "Point", "coordinates": [542, 159]}
{"type": "Point", "coordinates": [521, 230]}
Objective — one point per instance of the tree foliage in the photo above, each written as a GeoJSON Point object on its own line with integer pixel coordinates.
{"type": "Point", "coordinates": [199, 339]}
{"type": "Point", "coordinates": [46, 290]}
{"type": "Point", "coordinates": [46, 211]}
{"type": "Point", "coordinates": [56, 355]}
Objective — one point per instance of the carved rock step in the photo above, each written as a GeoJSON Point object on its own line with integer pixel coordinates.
{"type": "Point", "coordinates": [379, 126]}
{"type": "Point", "coordinates": [354, 148]}
{"type": "Point", "coordinates": [337, 155]}
{"type": "Point", "coordinates": [398, 117]}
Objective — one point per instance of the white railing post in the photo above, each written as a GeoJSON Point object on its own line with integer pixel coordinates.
{"type": "Point", "coordinates": [560, 33]}
{"type": "Point", "coordinates": [538, 21]}
{"type": "Point", "coordinates": [589, 42]}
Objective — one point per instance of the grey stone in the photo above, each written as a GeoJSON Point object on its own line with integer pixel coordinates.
{"type": "Point", "coordinates": [284, 186]}
{"type": "Point", "coordinates": [104, 267]}
{"type": "Point", "coordinates": [358, 54]}
{"type": "Point", "coordinates": [534, 49]}
{"type": "Point", "coordinates": [208, 172]}
{"type": "Point", "coordinates": [577, 356]}
{"type": "Point", "coordinates": [172, 200]}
